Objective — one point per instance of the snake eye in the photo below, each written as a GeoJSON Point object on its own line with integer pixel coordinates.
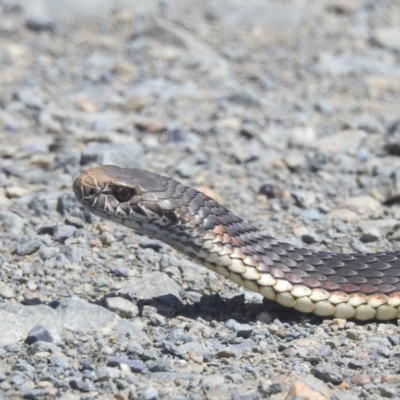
{"type": "Point", "coordinates": [123, 194]}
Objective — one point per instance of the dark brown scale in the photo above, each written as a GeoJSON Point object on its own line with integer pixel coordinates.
{"type": "Point", "coordinates": [266, 260]}
{"type": "Point", "coordinates": [380, 266]}
{"type": "Point", "coordinates": [338, 279]}
{"type": "Point", "coordinates": [367, 289]}
{"type": "Point", "coordinates": [263, 267]}
{"type": "Point", "coordinates": [305, 252]}
{"type": "Point", "coordinates": [280, 251]}
{"type": "Point", "coordinates": [277, 273]}
{"type": "Point", "coordinates": [356, 265]}
{"type": "Point", "coordinates": [295, 256]}
{"type": "Point", "coordinates": [314, 261]}
{"type": "Point", "coordinates": [389, 258]}
{"type": "Point", "coordinates": [289, 262]}
{"type": "Point", "coordinates": [367, 259]}
{"type": "Point", "coordinates": [322, 269]}
{"type": "Point", "coordinates": [349, 288]}
{"type": "Point", "coordinates": [395, 264]}
{"type": "Point", "coordinates": [343, 257]}
{"type": "Point", "coordinates": [371, 273]}
{"type": "Point", "coordinates": [311, 283]}
{"type": "Point", "coordinates": [385, 288]}
{"type": "Point", "coordinates": [392, 272]}
{"type": "Point", "coordinates": [258, 249]}
{"type": "Point", "coordinates": [329, 285]}
{"type": "Point", "coordinates": [318, 277]}
{"type": "Point", "coordinates": [306, 267]}
{"type": "Point", "coordinates": [324, 256]}
{"type": "Point", "coordinates": [294, 279]}
{"type": "Point", "coordinates": [282, 267]}
{"type": "Point", "coordinates": [391, 280]}
{"type": "Point", "coordinates": [334, 264]}
{"type": "Point", "coordinates": [273, 256]}
{"type": "Point", "coordinates": [357, 280]}
{"type": "Point", "coordinates": [374, 281]}
{"type": "Point", "coordinates": [287, 247]}
{"type": "Point", "coordinates": [346, 272]}
{"type": "Point", "coordinates": [300, 273]}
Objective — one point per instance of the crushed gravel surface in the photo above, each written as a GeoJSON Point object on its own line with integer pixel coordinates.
{"type": "Point", "coordinates": [287, 112]}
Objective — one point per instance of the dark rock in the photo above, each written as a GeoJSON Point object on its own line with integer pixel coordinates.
{"type": "Point", "coordinates": [40, 23]}
{"type": "Point", "coordinates": [327, 373]}
{"type": "Point", "coordinates": [38, 333]}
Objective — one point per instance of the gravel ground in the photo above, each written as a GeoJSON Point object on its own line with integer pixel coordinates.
{"type": "Point", "coordinates": [285, 111]}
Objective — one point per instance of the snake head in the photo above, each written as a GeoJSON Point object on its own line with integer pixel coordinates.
{"type": "Point", "coordinates": [132, 197]}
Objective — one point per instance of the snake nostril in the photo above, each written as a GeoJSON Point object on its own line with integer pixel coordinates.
{"type": "Point", "coordinates": [92, 191]}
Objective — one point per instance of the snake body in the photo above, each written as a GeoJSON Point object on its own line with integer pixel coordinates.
{"type": "Point", "coordinates": [359, 286]}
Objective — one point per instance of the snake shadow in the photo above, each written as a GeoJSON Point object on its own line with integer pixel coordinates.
{"type": "Point", "coordinates": [214, 307]}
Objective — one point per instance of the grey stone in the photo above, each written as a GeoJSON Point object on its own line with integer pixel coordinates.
{"type": "Point", "coordinates": [303, 198]}
{"type": "Point", "coordinates": [186, 169]}
{"type": "Point", "coordinates": [40, 23]}
{"type": "Point", "coordinates": [66, 203]}
{"type": "Point", "coordinates": [170, 348]}
{"type": "Point", "coordinates": [122, 271]}
{"type": "Point", "coordinates": [63, 232]}
{"type": "Point", "coordinates": [31, 97]}
{"type": "Point", "coordinates": [370, 235]}
{"type": "Point", "coordinates": [394, 340]}
{"type": "Point", "coordinates": [6, 291]}
{"type": "Point", "coordinates": [327, 373]}
{"type": "Point", "coordinates": [341, 142]}
{"type": "Point", "coordinates": [46, 253]}
{"type": "Point", "coordinates": [369, 123]}
{"type": "Point", "coordinates": [356, 364]}
{"type": "Point", "coordinates": [38, 333]}
{"type": "Point", "coordinates": [18, 379]}
{"type": "Point", "coordinates": [35, 393]}
{"type": "Point", "coordinates": [39, 347]}
{"type": "Point", "coordinates": [18, 320]}
{"type": "Point", "coordinates": [134, 348]}
{"type": "Point", "coordinates": [246, 97]}
{"type": "Point", "coordinates": [324, 106]}
{"type": "Point", "coordinates": [302, 136]}
{"type": "Point", "coordinates": [389, 392]}
{"type": "Point", "coordinates": [122, 307]}
{"type": "Point", "coordinates": [73, 253]}
{"type": "Point", "coordinates": [81, 386]}
{"type": "Point", "coordinates": [136, 366]}
{"type": "Point", "coordinates": [78, 315]}
{"type": "Point", "coordinates": [74, 221]}
{"type": "Point", "coordinates": [239, 349]}
{"type": "Point", "coordinates": [158, 320]}
{"type": "Point", "coordinates": [59, 360]}
{"type": "Point", "coordinates": [124, 155]}
{"type": "Point", "coordinates": [149, 393]}
{"type": "Point", "coordinates": [28, 247]}
{"type": "Point", "coordinates": [37, 176]}
{"type": "Point", "coordinates": [387, 37]}
{"type": "Point", "coordinates": [242, 330]}
{"type": "Point", "coordinates": [11, 221]}
{"type": "Point", "coordinates": [156, 285]}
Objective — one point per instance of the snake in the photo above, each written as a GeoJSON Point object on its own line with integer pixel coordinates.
{"type": "Point", "coordinates": [334, 285]}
